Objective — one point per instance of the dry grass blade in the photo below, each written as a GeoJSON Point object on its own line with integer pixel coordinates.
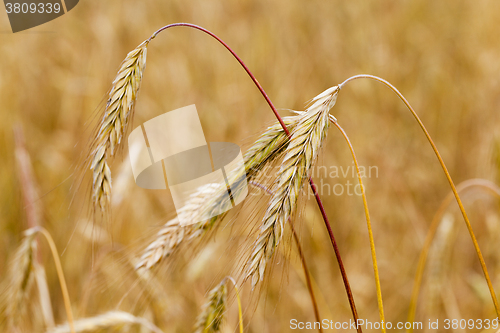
{"type": "Point", "coordinates": [212, 315]}
{"type": "Point", "coordinates": [110, 320]}
{"type": "Point", "coordinates": [267, 148]}
{"type": "Point", "coordinates": [21, 276]}
{"type": "Point", "coordinates": [305, 141]}
{"type": "Point", "coordinates": [115, 121]}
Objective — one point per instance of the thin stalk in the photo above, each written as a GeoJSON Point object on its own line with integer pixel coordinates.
{"type": "Point", "coordinates": [60, 274]}
{"type": "Point", "coordinates": [302, 260]}
{"type": "Point", "coordinates": [452, 185]}
{"type": "Point", "coordinates": [313, 186]}
{"type": "Point", "coordinates": [368, 223]}
{"type": "Point", "coordinates": [484, 184]}
{"type": "Point", "coordinates": [240, 312]}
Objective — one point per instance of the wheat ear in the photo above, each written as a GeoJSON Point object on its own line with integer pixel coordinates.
{"type": "Point", "coordinates": [212, 314]}
{"type": "Point", "coordinates": [267, 148]}
{"type": "Point", "coordinates": [173, 233]}
{"type": "Point", "coordinates": [305, 141]}
{"type": "Point", "coordinates": [116, 119]}
{"type": "Point", "coordinates": [110, 320]}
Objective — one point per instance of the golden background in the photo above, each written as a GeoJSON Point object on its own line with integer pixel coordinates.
{"type": "Point", "coordinates": [444, 56]}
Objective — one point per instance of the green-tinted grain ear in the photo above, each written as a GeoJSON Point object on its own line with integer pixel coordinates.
{"type": "Point", "coordinates": [114, 123]}
{"type": "Point", "coordinates": [212, 315]}
{"type": "Point", "coordinates": [302, 150]}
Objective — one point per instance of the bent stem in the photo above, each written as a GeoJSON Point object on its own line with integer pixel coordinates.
{"type": "Point", "coordinates": [452, 185]}
{"type": "Point", "coordinates": [481, 183]}
{"type": "Point", "coordinates": [302, 260]}
{"type": "Point", "coordinates": [368, 223]}
{"type": "Point", "coordinates": [60, 274]}
{"type": "Point", "coordinates": [311, 183]}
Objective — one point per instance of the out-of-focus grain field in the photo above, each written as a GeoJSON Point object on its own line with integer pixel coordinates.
{"type": "Point", "coordinates": [444, 56]}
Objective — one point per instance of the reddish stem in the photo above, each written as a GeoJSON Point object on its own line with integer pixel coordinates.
{"type": "Point", "coordinates": [313, 186]}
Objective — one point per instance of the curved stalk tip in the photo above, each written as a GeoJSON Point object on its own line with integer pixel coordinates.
{"type": "Point", "coordinates": [448, 177]}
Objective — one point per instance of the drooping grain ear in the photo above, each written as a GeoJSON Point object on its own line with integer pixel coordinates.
{"type": "Point", "coordinates": [114, 123]}
{"type": "Point", "coordinates": [306, 138]}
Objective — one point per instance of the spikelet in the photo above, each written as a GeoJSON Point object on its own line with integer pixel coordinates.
{"type": "Point", "coordinates": [115, 122]}
{"type": "Point", "coordinates": [302, 150]}
{"type": "Point", "coordinates": [112, 320]}
{"type": "Point", "coordinates": [267, 148]}
{"type": "Point", "coordinates": [212, 314]}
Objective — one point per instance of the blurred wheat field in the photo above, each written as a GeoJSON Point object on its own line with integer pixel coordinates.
{"type": "Point", "coordinates": [443, 56]}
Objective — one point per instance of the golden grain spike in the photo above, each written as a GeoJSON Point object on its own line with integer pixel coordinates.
{"type": "Point", "coordinates": [306, 139]}
{"type": "Point", "coordinates": [115, 122]}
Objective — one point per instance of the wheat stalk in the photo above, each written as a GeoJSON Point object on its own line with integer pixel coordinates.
{"type": "Point", "coordinates": [305, 141]}
{"type": "Point", "coordinates": [116, 119]}
{"type": "Point", "coordinates": [267, 148]}
{"type": "Point", "coordinates": [110, 320]}
{"type": "Point", "coordinates": [212, 314]}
